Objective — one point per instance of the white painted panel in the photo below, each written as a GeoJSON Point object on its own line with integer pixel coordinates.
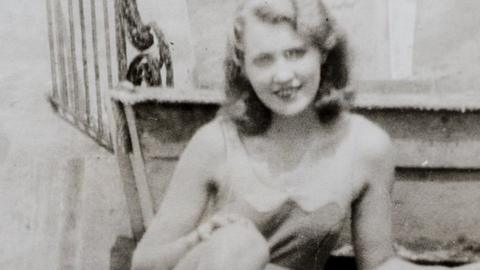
{"type": "Point", "coordinates": [366, 25]}
{"type": "Point", "coordinates": [401, 21]}
{"type": "Point", "coordinates": [172, 17]}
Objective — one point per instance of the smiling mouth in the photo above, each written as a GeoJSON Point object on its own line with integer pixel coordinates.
{"type": "Point", "coordinates": [287, 93]}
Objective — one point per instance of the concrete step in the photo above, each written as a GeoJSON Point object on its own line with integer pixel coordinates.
{"type": "Point", "coordinates": [438, 163]}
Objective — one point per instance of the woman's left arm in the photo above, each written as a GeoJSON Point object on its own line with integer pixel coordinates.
{"type": "Point", "coordinates": [372, 211]}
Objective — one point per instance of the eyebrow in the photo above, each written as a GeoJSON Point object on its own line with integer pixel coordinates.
{"type": "Point", "coordinates": [262, 55]}
{"type": "Point", "coordinates": [296, 47]}
{"type": "Point", "coordinates": [266, 14]}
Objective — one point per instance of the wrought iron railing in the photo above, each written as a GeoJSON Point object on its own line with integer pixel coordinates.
{"type": "Point", "coordinates": [88, 52]}
{"type": "Point", "coordinates": [82, 67]}
{"type": "Point", "coordinates": [145, 67]}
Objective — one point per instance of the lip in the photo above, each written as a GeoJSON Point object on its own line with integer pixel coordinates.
{"type": "Point", "coordinates": [287, 93]}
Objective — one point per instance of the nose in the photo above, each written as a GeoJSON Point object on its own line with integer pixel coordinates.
{"type": "Point", "coordinates": [283, 74]}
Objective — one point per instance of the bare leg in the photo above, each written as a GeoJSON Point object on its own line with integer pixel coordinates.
{"type": "Point", "coordinates": [473, 266]}
{"type": "Point", "coordinates": [275, 267]}
{"type": "Point", "coordinates": [233, 247]}
{"type": "Point", "coordinates": [236, 247]}
{"type": "Point", "coordinates": [191, 260]}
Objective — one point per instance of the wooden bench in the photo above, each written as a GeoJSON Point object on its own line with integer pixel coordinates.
{"type": "Point", "coordinates": [434, 141]}
{"type": "Point", "coordinates": [152, 127]}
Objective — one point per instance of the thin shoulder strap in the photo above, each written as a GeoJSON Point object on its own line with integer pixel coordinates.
{"type": "Point", "coordinates": [230, 139]}
{"type": "Point", "coordinates": [354, 153]}
{"type": "Point", "coordinates": [229, 135]}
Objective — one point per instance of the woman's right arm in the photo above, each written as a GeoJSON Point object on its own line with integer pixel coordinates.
{"type": "Point", "coordinates": [169, 237]}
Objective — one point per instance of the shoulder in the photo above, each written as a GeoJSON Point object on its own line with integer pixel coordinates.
{"type": "Point", "coordinates": [374, 152]}
{"type": "Point", "coordinates": [209, 137]}
{"type": "Point", "coordinates": [373, 142]}
{"type": "Point", "coordinates": [203, 155]}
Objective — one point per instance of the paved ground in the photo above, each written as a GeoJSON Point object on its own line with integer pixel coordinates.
{"type": "Point", "coordinates": [60, 201]}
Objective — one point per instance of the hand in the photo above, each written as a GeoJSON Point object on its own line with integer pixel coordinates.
{"type": "Point", "coordinates": [395, 263]}
{"type": "Point", "coordinates": [206, 229]}
{"type": "Point", "coordinates": [472, 266]}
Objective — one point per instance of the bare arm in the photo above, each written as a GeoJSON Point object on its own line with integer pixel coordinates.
{"type": "Point", "coordinates": [167, 238]}
{"type": "Point", "coordinates": [371, 215]}
{"type": "Point", "coordinates": [372, 225]}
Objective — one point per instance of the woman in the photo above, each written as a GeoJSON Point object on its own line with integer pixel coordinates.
{"type": "Point", "coordinates": [270, 182]}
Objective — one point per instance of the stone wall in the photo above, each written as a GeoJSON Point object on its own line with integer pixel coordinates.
{"type": "Point", "coordinates": [390, 39]}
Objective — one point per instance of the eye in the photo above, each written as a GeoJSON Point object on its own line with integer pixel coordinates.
{"type": "Point", "coordinates": [263, 60]}
{"type": "Point", "coordinates": [295, 53]}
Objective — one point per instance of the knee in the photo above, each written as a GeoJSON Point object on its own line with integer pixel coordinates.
{"type": "Point", "coordinates": [249, 240]}
{"type": "Point", "coordinates": [238, 245]}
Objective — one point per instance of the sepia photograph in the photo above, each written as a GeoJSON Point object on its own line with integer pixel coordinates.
{"type": "Point", "coordinates": [240, 135]}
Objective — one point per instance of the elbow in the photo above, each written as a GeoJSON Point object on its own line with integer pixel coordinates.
{"type": "Point", "coordinates": [396, 263]}
{"type": "Point", "coordinates": [139, 261]}
{"type": "Point", "coordinates": [389, 263]}
{"type": "Point", "coordinates": [143, 259]}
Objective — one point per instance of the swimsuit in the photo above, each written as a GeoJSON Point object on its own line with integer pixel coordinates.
{"type": "Point", "coordinates": [301, 223]}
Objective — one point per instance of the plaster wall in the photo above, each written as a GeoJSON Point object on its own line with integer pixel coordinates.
{"type": "Point", "coordinates": [424, 39]}
{"type": "Point", "coordinates": [39, 194]}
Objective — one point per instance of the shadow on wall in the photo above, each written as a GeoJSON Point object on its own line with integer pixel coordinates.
{"type": "Point", "coordinates": [5, 147]}
{"type": "Point", "coordinates": [24, 24]}
{"type": "Point", "coordinates": [348, 263]}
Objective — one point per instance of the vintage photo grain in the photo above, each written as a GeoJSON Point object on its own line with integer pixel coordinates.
{"type": "Point", "coordinates": [239, 134]}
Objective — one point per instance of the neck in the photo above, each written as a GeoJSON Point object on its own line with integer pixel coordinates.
{"type": "Point", "coordinates": [296, 126]}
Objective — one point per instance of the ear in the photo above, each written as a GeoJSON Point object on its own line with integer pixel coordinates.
{"type": "Point", "coordinates": [324, 56]}
{"type": "Point", "coordinates": [330, 41]}
{"type": "Point", "coordinates": [243, 70]}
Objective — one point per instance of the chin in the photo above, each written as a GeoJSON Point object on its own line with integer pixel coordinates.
{"type": "Point", "coordinates": [289, 110]}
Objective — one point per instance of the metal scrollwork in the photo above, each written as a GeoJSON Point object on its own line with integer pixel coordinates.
{"type": "Point", "coordinates": [146, 67]}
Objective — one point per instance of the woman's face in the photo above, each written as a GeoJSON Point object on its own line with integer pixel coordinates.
{"type": "Point", "coordinates": [282, 67]}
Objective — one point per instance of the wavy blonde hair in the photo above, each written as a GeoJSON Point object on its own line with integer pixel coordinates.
{"type": "Point", "coordinates": [311, 20]}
